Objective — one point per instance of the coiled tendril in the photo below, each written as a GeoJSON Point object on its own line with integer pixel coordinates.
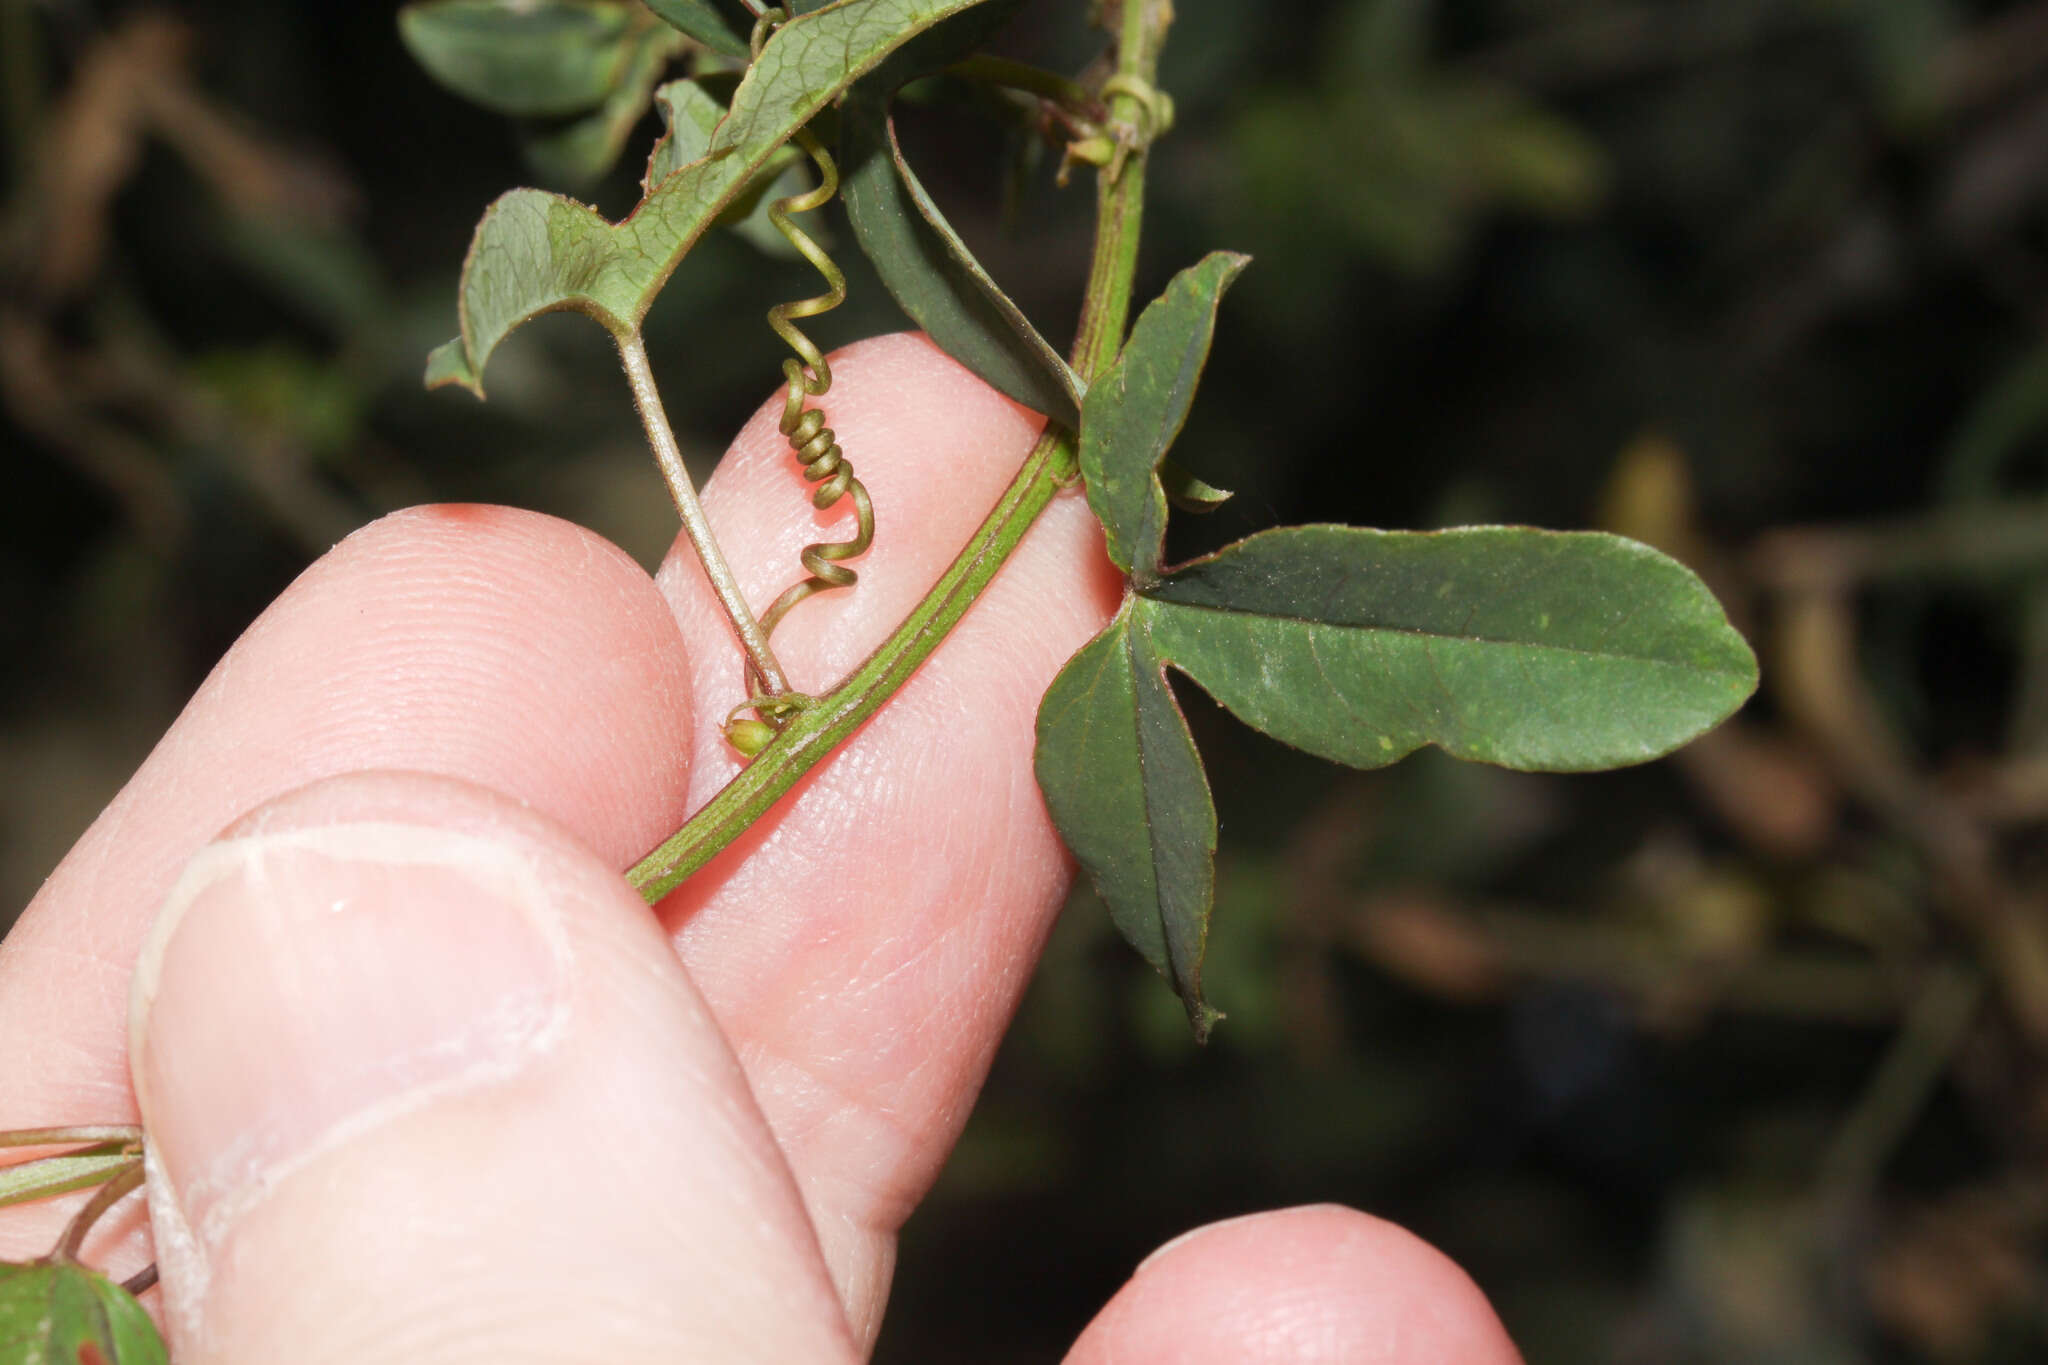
{"type": "Point", "coordinates": [806, 375]}
{"type": "Point", "coordinates": [813, 442]}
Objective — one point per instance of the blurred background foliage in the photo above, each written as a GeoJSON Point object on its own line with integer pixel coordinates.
{"type": "Point", "coordinates": [1739, 1057]}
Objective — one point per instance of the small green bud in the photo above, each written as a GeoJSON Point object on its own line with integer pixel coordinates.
{"type": "Point", "coordinates": [750, 737]}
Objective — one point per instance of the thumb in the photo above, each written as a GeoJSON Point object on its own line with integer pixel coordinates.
{"type": "Point", "coordinates": [424, 1081]}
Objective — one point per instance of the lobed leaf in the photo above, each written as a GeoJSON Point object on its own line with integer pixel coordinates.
{"type": "Point", "coordinates": [702, 20]}
{"type": "Point", "coordinates": [1135, 409]}
{"type": "Point", "coordinates": [1529, 649]}
{"type": "Point", "coordinates": [1125, 786]}
{"type": "Point", "coordinates": [531, 60]}
{"type": "Point", "coordinates": [60, 1314]}
{"type": "Point", "coordinates": [535, 253]}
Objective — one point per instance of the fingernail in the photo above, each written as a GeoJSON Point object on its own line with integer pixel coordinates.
{"type": "Point", "coordinates": [303, 986]}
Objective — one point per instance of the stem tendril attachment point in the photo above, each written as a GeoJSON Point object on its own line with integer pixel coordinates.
{"type": "Point", "coordinates": [806, 375]}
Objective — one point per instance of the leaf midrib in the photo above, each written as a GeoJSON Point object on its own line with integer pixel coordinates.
{"type": "Point", "coordinates": [1413, 632]}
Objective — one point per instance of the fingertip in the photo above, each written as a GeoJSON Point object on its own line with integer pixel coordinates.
{"type": "Point", "coordinates": [1318, 1285]}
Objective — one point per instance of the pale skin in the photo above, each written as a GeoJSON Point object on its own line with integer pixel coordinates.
{"type": "Point", "coordinates": [426, 1081]}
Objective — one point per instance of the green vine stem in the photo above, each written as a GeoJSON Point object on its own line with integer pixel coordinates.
{"type": "Point", "coordinates": [647, 398]}
{"type": "Point", "coordinates": [1069, 95]}
{"type": "Point", "coordinates": [817, 729]}
{"type": "Point", "coordinates": [1051, 466]}
{"type": "Point", "coordinates": [1120, 194]}
{"type": "Point", "coordinates": [92, 1135]}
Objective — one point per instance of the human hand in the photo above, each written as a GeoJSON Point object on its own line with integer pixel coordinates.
{"type": "Point", "coordinates": [423, 1078]}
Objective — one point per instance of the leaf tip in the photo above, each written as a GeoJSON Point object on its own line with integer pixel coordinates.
{"type": "Point", "coordinates": [1187, 493]}
{"type": "Point", "coordinates": [1203, 1017]}
{"type": "Point", "coordinates": [449, 364]}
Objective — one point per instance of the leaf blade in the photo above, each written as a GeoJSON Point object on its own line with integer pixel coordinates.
{"type": "Point", "coordinates": [700, 19]}
{"type": "Point", "coordinates": [935, 278]}
{"type": "Point", "coordinates": [1136, 408]}
{"type": "Point", "coordinates": [1539, 650]}
{"type": "Point", "coordinates": [1125, 785]}
{"type": "Point", "coordinates": [533, 253]}
{"type": "Point", "coordinates": [59, 1314]}
{"type": "Point", "coordinates": [922, 261]}
{"type": "Point", "coordinates": [545, 60]}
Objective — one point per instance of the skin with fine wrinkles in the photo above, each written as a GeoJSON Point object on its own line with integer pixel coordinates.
{"type": "Point", "coordinates": [868, 1126]}
{"type": "Point", "coordinates": [748, 1091]}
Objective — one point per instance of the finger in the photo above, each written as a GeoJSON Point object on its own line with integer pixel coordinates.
{"type": "Point", "coordinates": [423, 1082]}
{"type": "Point", "coordinates": [865, 943]}
{"type": "Point", "coordinates": [508, 649]}
{"type": "Point", "coordinates": [1308, 1286]}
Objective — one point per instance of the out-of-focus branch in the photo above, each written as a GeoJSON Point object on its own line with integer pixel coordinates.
{"type": "Point", "coordinates": [1817, 679]}
{"type": "Point", "coordinates": [38, 396]}
{"type": "Point", "coordinates": [1921, 1054]}
{"type": "Point", "coordinates": [1974, 542]}
{"type": "Point", "coordinates": [1999, 55]}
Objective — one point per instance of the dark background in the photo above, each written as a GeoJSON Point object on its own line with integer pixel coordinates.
{"type": "Point", "coordinates": [1736, 1057]}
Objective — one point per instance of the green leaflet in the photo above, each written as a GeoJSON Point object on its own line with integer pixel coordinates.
{"type": "Point", "coordinates": [1542, 650]}
{"type": "Point", "coordinates": [535, 252]}
{"type": "Point", "coordinates": [579, 152]}
{"type": "Point", "coordinates": [530, 60]}
{"type": "Point", "coordinates": [922, 261]}
{"type": "Point", "coordinates": [68, 1315]}
{"type": "Point", "coordinates": [1125, 785]}
{"type": "Point", "coordinates": [1529, 649]}
{"type": "Point", "coordinates": [700, 19]}
{"type": "Point", "coordinates": [1135, 410]}
{"type": "Point", "coordinates": [26, 1181]}
{"type": "Point", "coordinates": [936, 279]}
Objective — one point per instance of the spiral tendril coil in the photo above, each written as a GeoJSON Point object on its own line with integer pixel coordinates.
{"type": "Point", "coordinates": [807, 375]}
{"type": "Point", "coordinates": [824, 463]}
